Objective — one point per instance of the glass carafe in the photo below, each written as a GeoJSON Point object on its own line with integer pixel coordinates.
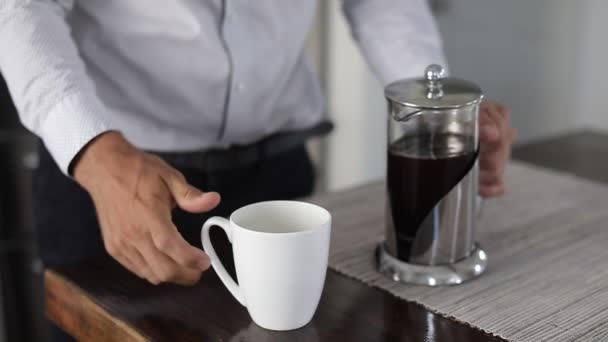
{"type": "Point", "coordinates": [432, 169]}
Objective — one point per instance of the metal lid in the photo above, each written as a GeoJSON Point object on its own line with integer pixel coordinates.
{"type": "Point", "coordinates": [434, 91]}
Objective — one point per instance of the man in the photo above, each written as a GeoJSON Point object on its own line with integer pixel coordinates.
{"type": "Point", "coordinates": [147, 104]}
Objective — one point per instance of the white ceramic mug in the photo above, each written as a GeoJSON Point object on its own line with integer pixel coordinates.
{"type": "Point", "coordinates": [280, 252]}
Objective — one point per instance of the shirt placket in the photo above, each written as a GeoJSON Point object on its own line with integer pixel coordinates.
{"type": "Point", "coordinates": [235, 99]}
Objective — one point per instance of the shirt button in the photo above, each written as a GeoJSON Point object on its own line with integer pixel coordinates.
{"type": "Point", "coordinates": [240, 87]}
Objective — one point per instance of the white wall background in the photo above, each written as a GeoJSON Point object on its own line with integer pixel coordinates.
{"type": "Point", "coordinates": [355, 150]}
{"type": "Point", "coordinates": [526, 54]}
{"type": "Point", "coordinates": [546, 59]}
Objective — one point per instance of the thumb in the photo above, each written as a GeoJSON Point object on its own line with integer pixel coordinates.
{"type": "Point", "coordinates": [191, 199]}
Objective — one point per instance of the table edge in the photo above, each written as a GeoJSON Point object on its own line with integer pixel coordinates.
{"type": "Point", "coordinates": [78, 308]}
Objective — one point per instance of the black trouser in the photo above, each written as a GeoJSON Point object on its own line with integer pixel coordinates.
{"type": "Point", "coordinates": [67, 227]}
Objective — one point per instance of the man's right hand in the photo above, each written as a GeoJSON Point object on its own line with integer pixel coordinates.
{"type": "Point", "coordinates": [134, 193]}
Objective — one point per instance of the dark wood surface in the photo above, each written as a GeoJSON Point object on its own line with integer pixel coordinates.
{"type": "Point", "coordinates": [98, 300]}
{"type": "Point", "coordinates": [583, 153]}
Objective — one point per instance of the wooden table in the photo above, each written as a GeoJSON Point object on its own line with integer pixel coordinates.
{"type": "Point", "coordinates": [98, 300]}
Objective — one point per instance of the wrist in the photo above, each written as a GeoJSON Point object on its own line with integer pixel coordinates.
{"type": "Point", "coordinates": [97, 156]}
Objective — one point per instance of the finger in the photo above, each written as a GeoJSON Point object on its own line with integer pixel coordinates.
{"type": "Point", "coordinates": [488, 129]}
{"type": "Point", "coordinates": [116, 252]}
{"type": "Point", "coordinates": [490, 178]}
{"type": "Point", "coordinates": [188, 197]}
{"type": "Point", "coordinates": [126, 263]}
{"type": "Point", "coordinates": [497, 117]}
{"type": "Point", "coordinates": [484, 116]}
{"type": "Point", "coordinates": [138, 262]}
{"type": "Point", "coordinates": [492, 190]}
{"type": "Point", "coordinates": [506, 113]}
{"type": "Point", "coordinates": [122, 255]}
{"type": "Point", "coordinates": [169, 241]}
{"type": "Point", "coordinates": [502, 116]}
{"type": "Point", "coordinates": [489, 134]}
{"type": "Point", "coordinates": [164, 268]}
{"type": "Point", "coordinates": [491, 161]}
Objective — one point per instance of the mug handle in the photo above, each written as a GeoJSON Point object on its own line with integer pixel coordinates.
{"type": "Point", "coordinates": [215, 261]}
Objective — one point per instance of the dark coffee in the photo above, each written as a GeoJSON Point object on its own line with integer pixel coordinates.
{"type": "Point", "coordinates": [422, 169]}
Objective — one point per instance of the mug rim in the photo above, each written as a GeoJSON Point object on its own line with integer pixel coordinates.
{"type": "Point", "coordinates": [325, 224]}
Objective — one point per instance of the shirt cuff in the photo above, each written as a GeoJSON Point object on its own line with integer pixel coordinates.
{"type": "Point", "coordinates": [70, 125]}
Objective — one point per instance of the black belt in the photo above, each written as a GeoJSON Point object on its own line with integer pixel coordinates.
{"type": "Point", "coordinates": [242, 155]}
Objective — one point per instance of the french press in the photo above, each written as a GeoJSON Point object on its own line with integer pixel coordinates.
{"type": "Point", "coordinates": [432, 181]}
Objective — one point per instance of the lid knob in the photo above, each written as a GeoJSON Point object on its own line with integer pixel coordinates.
{"type": "Point", "coordinates": [434, 73]}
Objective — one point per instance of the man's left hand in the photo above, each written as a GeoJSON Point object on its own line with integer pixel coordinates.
{"type": "Point", "coordinates": [496, 137]}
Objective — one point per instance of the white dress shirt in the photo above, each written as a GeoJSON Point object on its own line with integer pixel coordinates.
{"type": "Point", "coordinates": [183, 75]}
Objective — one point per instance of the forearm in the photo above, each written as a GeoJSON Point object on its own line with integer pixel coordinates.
{"type": "Point", "coordinates": [47, 79]}
{"type": "Point", "coordinates": [398, 38]}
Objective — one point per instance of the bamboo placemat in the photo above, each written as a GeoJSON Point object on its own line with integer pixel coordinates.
{"type": "Point", "coordinates": [547, 243]}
